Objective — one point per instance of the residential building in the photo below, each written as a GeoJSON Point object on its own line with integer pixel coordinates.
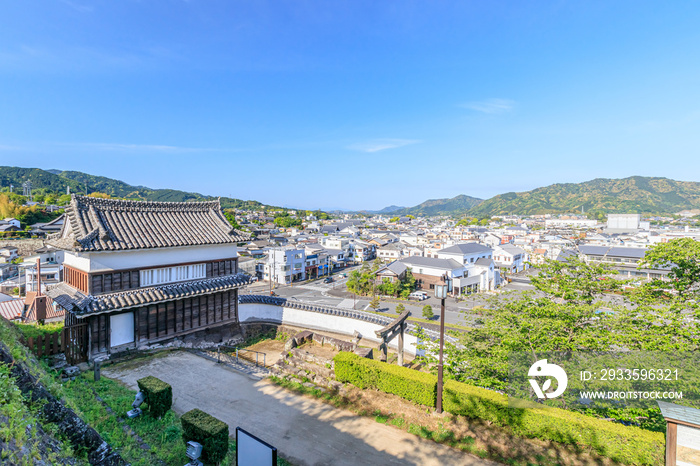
{"type": "Point", "coordinates": [8, 254]}
{"type": "Point", "coordinates": [49, 228]}
{"type": "Point", "coordinates": [510, 258]}
{"type": "Point", "coordinates": [624, 260]}
{"type": "Point", "coordinates": [428, 271]}
{"type": "Point", "coordinates": [394, 272]}
{"type": "Point", "coordinates": [285, 265]}
{"type": "Point", "coordinates": [390, 252]}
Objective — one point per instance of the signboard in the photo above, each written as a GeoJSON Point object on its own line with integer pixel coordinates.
{"type": "Point", "coordinates": [251, 451]}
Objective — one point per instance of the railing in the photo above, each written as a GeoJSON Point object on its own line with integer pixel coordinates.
{"type": "Point", "coordinates": [226, 355]}
{"type": "Point", "coordinates": [47, 344]}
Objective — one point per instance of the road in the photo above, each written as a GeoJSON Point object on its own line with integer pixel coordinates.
{"type": "Point", "coordinates": [306, 431]}
{"type": "Point", "coordinates": [336, 294]}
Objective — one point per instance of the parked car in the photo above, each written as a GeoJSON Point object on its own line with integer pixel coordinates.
{"type": "Point", "coordinates": [419, 295]}
{"type": "Point", "coordinates": [328, 280]}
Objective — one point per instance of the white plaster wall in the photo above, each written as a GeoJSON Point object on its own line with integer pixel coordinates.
{"type": "Point", "coordinates": [116, 260]}
{"type": "Point", "coordinates": [255, 312]}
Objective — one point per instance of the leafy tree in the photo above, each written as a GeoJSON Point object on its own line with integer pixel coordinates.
{"type": "Point", "coordinates": [428, 311]}
{"type": "Point", "coordinates": [408, 284]}
{"type": "Point", "coordinates": [287, 222]}
{"type": "Point", "coordinates": [400, 308]}
{"type": "Point", "coordinates": [463, 222]}
{"type": "Point", "coordinates": [64, 199]}
{"type": "Point", "coordinates": [484, 222]}
{"type": "Point", "coordinates": [411, 217]}
{"type": "Point", "coordinates": [575, 280]}
{"type": "Point", "coordinates": [100, 195]}
{"type": "Point", "coordinates": [393, 219]}
{"type": "Point", "coordinates": [231, 217]}
{"type": "Point", "coordinates": [375, 303]}
{"type": "Point", "coordinates": [389, 288]}
{"type": "Point", "coordinates": [682, 256]}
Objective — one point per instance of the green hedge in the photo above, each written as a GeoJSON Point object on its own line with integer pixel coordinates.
{"type": "Point", "coordinates": [402, 381]}
{"type": "Point", "coordinates": [209, 431]}
{"type": "Point", "coordinates": [625, 444]}
{"type": "Point", "coordinates": [159, 395]}
{"type": "Point", "coordinates": [628, 445]}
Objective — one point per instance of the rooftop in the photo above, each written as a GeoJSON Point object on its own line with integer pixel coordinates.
{"type": "Point", "coordinates": [94, 224]}
{"type": "Point", "coordinates": [465, 248]}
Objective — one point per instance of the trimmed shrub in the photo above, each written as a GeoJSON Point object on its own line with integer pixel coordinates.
{"type": "Point", "coordinates": [628, 445]}
{"type": "Point", "coordinates": [402, 381]}
{"type": "Point", "coordinates": [212, 433]}
{"type": "Point", "coordinates": [159, 395]}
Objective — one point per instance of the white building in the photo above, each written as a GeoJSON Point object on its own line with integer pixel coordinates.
{"type": "Point", "coordinates": [285, 265]}
{"type": "Point", "coordinates": [510, 258]}
{"type": "Point", "coordinates": [570, 223]}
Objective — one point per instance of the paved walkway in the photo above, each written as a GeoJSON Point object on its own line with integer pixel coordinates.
{"type": "Point", "coordinates": [305, 431]}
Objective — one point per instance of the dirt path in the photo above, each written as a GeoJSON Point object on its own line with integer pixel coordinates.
{"type": "Point", "coordinates": [305, 431]}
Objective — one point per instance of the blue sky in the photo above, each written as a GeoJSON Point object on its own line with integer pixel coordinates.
{"type": "Point", "coordinates": [357, 104]}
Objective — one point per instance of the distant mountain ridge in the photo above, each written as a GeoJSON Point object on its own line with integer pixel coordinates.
{"type": "Point", "coordinates": [432, 207]}
{"type": "Point", "coordinates": [635, 194]}
{"type": "Point", "coordinates": [388, 210]}
{"type": "Point", "coordinates": [58, 181]}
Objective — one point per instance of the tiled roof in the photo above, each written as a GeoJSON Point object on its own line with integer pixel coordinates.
{"type": "Point", "coordinates": [11, 309]}
{"type": "Point", "coordinates": [445, 264]}
{"type": "Point", "coordinates": [94, 224]}
{"type": "Point", "coordinates": [465, 248]}
{"type": "Point", "coordinates": [69, 298]}
{"type": "Point", "coordinates": [680, 413]}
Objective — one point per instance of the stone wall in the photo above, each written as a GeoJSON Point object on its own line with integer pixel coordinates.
{"type": "Point", "coordinates": [25, 247]}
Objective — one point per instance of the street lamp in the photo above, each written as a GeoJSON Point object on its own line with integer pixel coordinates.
{"type": "Point", "coordinates": [441, 292]}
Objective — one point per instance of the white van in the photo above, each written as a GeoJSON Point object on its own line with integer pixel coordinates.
{"type": "Point", "coordinates": [419, 295]}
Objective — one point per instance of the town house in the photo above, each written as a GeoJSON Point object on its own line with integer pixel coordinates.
{"type": "Point", "coordinates": [137, 273]}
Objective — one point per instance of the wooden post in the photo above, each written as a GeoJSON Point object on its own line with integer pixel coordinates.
{"type": "Point", "coordinates": [383, 347]}
{"type": "Point", "coordinates": [403, 327]}
{"type": "Point", "coordinates": [671, 443]}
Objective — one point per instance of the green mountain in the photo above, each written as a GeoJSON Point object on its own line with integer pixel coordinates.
{"type": "Point", "coordinates": [636, 194]}
{"type": "Point", "coordinates": [388, 210]}
{"type": "Point", "coordinates": [57, 181]}
{"type": "Point", "coordinates": [454, 206]}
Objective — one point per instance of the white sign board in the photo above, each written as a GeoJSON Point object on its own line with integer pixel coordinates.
{"type": "Point", "coordinates": [122, 328]}
{"type": "Point", "coordinates": [251, 451]}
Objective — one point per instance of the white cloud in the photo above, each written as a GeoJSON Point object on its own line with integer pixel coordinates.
{"type": "Point", "coordinates": [78, 7]}
{"type": "Point", "coordinates": [491, 106]}
{"type": "Point", "coordinates": [377, 145]}
{"type": "Point", "coordinates": [135, 147]}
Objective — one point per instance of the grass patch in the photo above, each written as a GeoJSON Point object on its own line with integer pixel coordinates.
{"type": "Point", "coordinates": [18, 425]}
{"type": "Point", "coordinates": [163, 436]}
{"type": "Point", "coordinates": [37, 330]}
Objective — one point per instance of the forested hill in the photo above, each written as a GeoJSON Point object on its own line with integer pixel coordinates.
{"type": "Point", "coordinates": [56, 181]}
{"type": "Point", "coordinates": [454, 206]}
{"type": "Point", "coordinates": [636, 194]}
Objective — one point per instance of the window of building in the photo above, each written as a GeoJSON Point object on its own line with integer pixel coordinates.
{"type": "Point", "coordinates": [177, 273]}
